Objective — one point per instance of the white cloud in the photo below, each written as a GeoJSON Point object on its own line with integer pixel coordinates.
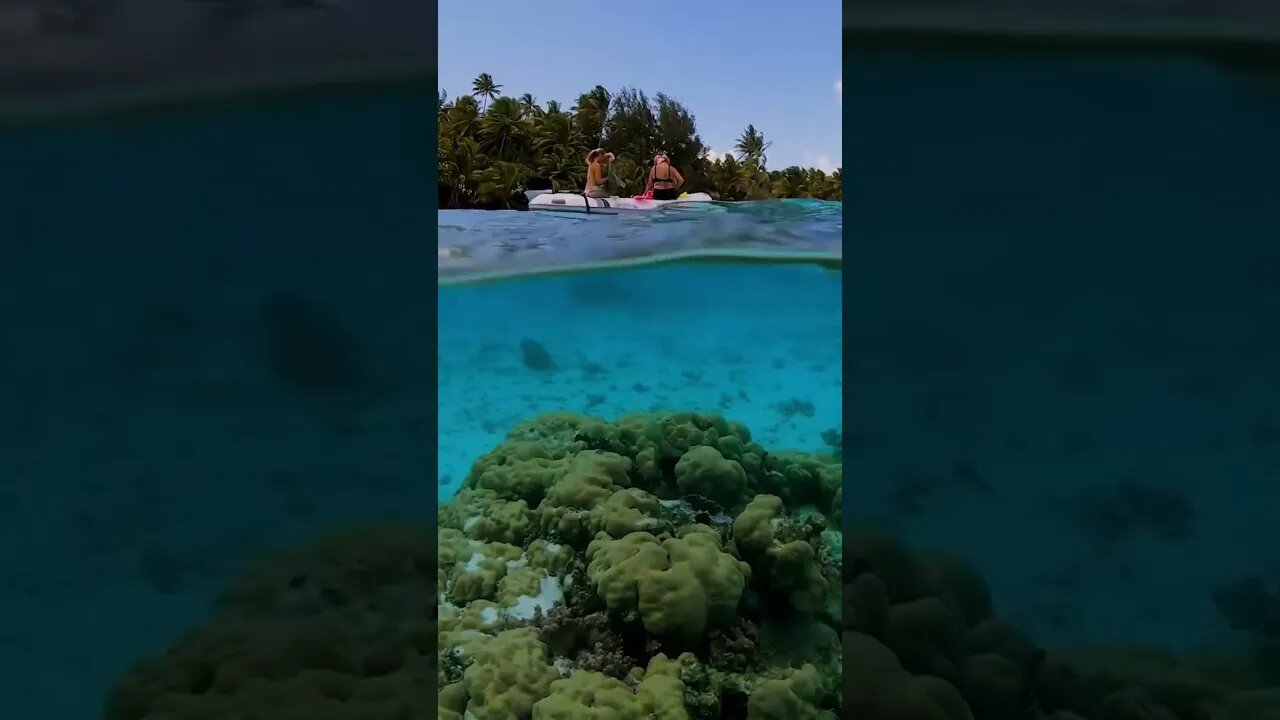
{"type": "Point", "coordinates": [839, 88]}
{"type": "Point", "coordinates": [712, 155]}
{"type": "Point", "coordinates": [818, 160]}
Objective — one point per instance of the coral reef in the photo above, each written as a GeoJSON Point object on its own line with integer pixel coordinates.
{"type": "Point", "coordinates": [657, 566]}
{"type": "Point", "coordinates": [342, 628]}
{"type": "Point", "coordinates": [535, 356]}
{"type": "Point", "coordinates": [922, 641]}
{"type": "Point", "coordinates": [661, 566]}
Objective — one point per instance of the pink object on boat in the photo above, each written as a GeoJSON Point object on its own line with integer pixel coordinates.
{"type": "Point", "coordinates": [647, 196]}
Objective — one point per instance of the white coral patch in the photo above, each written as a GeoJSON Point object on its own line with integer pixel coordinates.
{"type": "Point", "coordinates": [549, 593]}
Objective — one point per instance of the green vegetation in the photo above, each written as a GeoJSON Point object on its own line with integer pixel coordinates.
{"type": "Point", "coordinates": [491, 144]}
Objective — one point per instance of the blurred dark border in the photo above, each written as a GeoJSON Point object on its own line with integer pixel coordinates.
{"type": "Point", "coordinates": [1241, 35]}
{"type": "Point", "coordinates": [71, 57]}
{"type": "Point", "coordinates": [1237, 35]}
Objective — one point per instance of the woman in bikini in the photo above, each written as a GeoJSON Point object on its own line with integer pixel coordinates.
{"type": "Point", "coordinates": [598, 173]}
{"type": "Point", "coordinates": [664, 180]}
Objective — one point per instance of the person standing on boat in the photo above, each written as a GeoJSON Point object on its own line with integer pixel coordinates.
{"type": "Point", "coordinates": [598, 173]}
{"type": "Point", "coordinates": [664, 180]}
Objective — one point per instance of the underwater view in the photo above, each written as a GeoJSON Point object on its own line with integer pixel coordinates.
{"type": "Point", "coordinates": [1060, 291]}
{"type": "Point", "coordinates": [639, 462]}
{"type": "Point", "coordinates": [214, 365]}
{"type": "Point", "coordinates": [1061, 466]}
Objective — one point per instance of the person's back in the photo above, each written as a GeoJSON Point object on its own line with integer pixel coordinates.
{"type": "Point", "coordinates": [664, 180]}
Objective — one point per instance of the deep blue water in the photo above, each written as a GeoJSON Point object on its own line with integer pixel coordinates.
{"type": "Point", "coordinates": [1064, 279]}
{"type": "Point", "coordinates": [213, 342]}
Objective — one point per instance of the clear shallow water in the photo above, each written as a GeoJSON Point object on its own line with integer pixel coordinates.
{"type": "Point", "coordinates": [757, 343]}
{"type": "Point", "coordinates": [209, 349]}
{"type": "Point", "coordinates": [1065, 287]}
{"type": "Point", "coordinates": [742, 340]}
{"type": "Point", "coordinates": [475, 244]}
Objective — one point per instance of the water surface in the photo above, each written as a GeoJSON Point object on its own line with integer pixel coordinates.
{"type": "Point", "coordinates": [742, 340]}
{"type": "Point", "coordinates": [476, 245]}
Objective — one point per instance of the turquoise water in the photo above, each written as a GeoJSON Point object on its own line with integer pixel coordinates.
{"type": "Point", "coordinates": [1065, 288]}
{"type": "Point", "coordinates": [656, 352]}
{"type": "Point", "coordinates": [216, 344]}
{"type": "Point", "coordinates": [1066, 376]}
{"type": "Point", "coordinates": [212, 346]}
{"type": "Point", "coordinates": [477, 245]}
{"type": "Point", "coordinates": [744, 340]}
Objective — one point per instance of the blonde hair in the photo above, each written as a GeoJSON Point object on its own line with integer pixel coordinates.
{"type": "Point", "coordinates": [661, 157]}
{"type": "Point", "coordinates": [591, 156]}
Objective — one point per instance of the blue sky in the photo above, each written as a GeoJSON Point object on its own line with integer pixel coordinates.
{"type": "Point", "coordinates": [772, 64]}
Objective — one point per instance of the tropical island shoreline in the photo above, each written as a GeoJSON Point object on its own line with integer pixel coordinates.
{"type": "Point", "coordinates": [492, 144]}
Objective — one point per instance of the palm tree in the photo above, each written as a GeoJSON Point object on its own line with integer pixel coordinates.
{"type": "Point", "coordinates": [563, 170]}
{"type": "Point", "coordinates": [752, 146]}
{"type": "Point", "coordinates": [591, 111]}
{"type": "Point", "coordinates": [496, 184]}
{"type": "Point", "coordinates": [529, 106]}
{"type": "Point", "coordinates": [504, 123]}
{"type": "Point", "coordinates": [463, 116]}
{"type": "Point", "coordinates": [556, 132]}
{"type": "Point", "coordinates": [487, 151]}
{"type": "Point", "coordinates": [754, 179]}
{"type": "Point", "coordinates": [485, 87]}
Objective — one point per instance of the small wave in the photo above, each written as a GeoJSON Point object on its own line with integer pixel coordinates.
{"type": "Point", "coordinates": [476, 245]}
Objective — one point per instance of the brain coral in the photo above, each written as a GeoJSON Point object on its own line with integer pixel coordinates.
{"type": "Point", "coordinates": [678, 586]}
{"type": "Point", "coordinates": [640, 514]}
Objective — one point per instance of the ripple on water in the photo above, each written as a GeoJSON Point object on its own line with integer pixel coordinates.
{"type": "Point", "coordinates": [477, 245]}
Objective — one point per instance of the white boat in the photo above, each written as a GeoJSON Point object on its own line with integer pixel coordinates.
{"type": "Point", "coordinates": [576, 202]}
